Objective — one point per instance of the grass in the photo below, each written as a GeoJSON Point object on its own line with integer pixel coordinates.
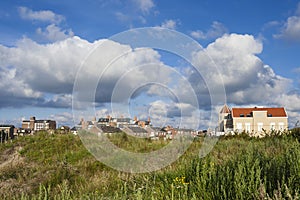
{"type": "Point", "coordinates": [59, 167]}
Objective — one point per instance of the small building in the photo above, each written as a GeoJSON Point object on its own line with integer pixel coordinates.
{"type": "Point", "coordinates": [6, 132]}
{"type": "Point", "coordinates": [73, 130]}
{"type": "Point", "coordinates": [64, 129]}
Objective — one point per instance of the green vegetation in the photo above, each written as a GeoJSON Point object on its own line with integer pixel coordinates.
{"type": "Point", "coordinates": [58, 166]}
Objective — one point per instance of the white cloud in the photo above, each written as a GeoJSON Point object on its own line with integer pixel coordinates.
{"type": "Point", "coordinates": [171, 24]}
{"type": "Point", "coordinates": [270, 24]}
{"type": "Point", "coordinates": [144, 5]}
{"type": "Point", "coordinates": [37, 69]}
{"type": "Point", "coordinates": [246, 78]}
{"type": "Point", "coordinates": [54, 33]}
{"type": "Point", "coordinates": [291, 28]}
{"type": "Point", "coordinates": [64, 118]}
{"type": "Point", "coordinates": [217, 29]}
{"type": "Point", "coordinates": [59, 101]}
{"type": "Point", "coordinates": [290, 101]}
{"type": "Point", "coordinates": [43, 15]}
{"type": "Point", "coordinates": [134, 11]}
{"type": "Point", "coordinates": [181, 115]}
{"type": "Point", "coordinates": [14, 90]}
{"type": "Point", "coordinates": [43, 75]}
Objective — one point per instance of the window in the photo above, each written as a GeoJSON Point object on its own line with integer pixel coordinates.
{"type": "Point", "coordinates": [272, 126]}
{"type": "Point", "coordinates": [239, 126]}
{"type": "Point", "coordinates": [247, 127]}
{"type": "Point", "coordinates": [281, 126]}
{"type": "Point", "coordinates": [260, 126]}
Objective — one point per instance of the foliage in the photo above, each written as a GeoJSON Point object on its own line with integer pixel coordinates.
{"type": "Point", "coordinates": [59, 167]}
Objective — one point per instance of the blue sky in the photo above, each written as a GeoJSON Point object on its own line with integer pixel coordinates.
{"type": "Point", "coordinates": [261, 38]}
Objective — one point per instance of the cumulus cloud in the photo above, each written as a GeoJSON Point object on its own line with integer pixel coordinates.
{"type": "Point", "coordinates": [34, 70]}
{"type": "Point", "coordinates": [54, 33]}
{"type": "Point", "coordinates": [216, 30]}
{"type": "Point", "coordinates": [42, 15]}
{"type": "Point", "coordinates": [171, 24]}
{"type": "Point", "coordinates": [44, 74]}
{"type": "Point", "coordinates": [291, 28]}
{"type": "Point", "coordinates": [242, 72]}
{"type": "Point", "coordinates": [291, 101]}
{"type": "Point", "coordinates": [16, 93]}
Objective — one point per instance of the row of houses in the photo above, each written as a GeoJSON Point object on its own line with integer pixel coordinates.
{"type": "Point", "coordinates": [253, 121]}
{"type": "Point", "coordinates": [134, 127]}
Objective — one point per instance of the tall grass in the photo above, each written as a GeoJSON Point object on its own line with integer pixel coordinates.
{"type": "Point", "coordinates": [59, 167]}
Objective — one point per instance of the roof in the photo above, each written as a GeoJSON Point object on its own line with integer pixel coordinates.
{"type": "Point", "coordinates": [271, 112]}
{"type": "Point", "coordinates": [225, 109]}
{"type": "Point", "coordinates": [6, 125]}
{"type": "Point", "coordinates": [41, 121]}
{"type": "Point", "coordinates": [137, 129]}
{"type": "Point", "coordinates": [123, 120]}
{"type": "Point", "coordinates": [158, 129]}
{"type": "Point", "coordinates": [73, 129]}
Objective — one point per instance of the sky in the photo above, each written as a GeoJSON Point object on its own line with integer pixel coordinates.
{"type": "Point", "coordinates": [46, 47]}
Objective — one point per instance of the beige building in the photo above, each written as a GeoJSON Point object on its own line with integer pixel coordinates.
{"type": "Point", "coordinates": [252, 120]}
{"type": "Point", "coordinates": [37, 125]}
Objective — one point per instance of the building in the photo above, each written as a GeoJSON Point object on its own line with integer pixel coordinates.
{"type": "Point", "coordinates": [6, 132]}
{"type": "Point", "coordinates": [252, 120]}
{"type": "Point", "coordinates": [225, 119]}
{"type": "Point", "coordinates": [37, 125]}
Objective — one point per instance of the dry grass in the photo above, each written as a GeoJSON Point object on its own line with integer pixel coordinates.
{"type": "Point", "coordinates": [59, 167]}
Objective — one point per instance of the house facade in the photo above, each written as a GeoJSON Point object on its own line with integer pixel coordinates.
{"type": "Point", "coordinates": [252, 120]}
{"type": "Point", "coordinates": [6, 132]}
{"type": "Point", "coordinates": [37, 125]}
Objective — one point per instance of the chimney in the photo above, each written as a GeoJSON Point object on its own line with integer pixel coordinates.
{"type": "Point", "coordinates": [135, 119]}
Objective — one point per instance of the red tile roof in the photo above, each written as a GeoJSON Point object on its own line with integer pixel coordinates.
{"type": "Point", "coordinates": [274, 112]}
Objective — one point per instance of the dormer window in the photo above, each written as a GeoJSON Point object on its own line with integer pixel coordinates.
{"type": "Point", "coordinates": [269, 115]}
{"type": "Point", "coordinates": [242, 115]}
